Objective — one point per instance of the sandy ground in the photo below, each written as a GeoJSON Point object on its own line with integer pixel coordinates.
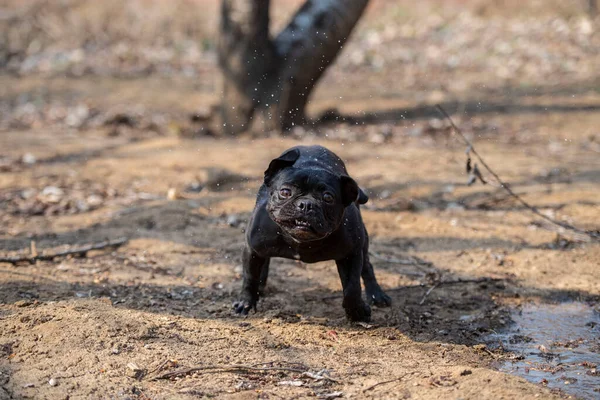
{"type": "Point", "coordinates": [109, 324]}
{"type": "Point", "coordinates": [152, 318]}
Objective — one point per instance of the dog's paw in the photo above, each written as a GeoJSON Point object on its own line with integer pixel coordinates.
{"type": "Point", "coordinates": [359, 313]}
{"type": "Point", "coordinates": [379, 298]}
{"type": "Point", "coordinates": [243, 306]}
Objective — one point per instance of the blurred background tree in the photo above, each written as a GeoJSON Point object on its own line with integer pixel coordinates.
{"type": "Point", "coordinates": [593, 7]}
{"type": "Point", "coordinates": [276, 76]}
{"type": "Point", "coordinates": [161, 58]}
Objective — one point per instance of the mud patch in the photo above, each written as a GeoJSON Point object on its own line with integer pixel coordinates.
{"type": "Point", "coordinates": [555, 345]}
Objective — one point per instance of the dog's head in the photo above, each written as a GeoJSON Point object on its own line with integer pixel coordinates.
{"type": "Point", "coordinates": [308, 204]}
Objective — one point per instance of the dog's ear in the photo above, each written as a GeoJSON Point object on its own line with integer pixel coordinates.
{"type": "Point", "coordinates": [287, 159]}
{"type": "Point", "coordinates": [362, 197]}
{"type": "Point", "coordinates": [350, 190]}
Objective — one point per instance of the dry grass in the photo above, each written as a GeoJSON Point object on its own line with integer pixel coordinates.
{"type": "Point", "coordinates": [73, 22]}
{"type": "Point", "coordinates": [28, 25]}
{"type": "Point", "coordinates": [38, 26]}
{"type": "Point", "coordinates": [561, 8]}
{"type": "Point", "coordinates": [132, 37]}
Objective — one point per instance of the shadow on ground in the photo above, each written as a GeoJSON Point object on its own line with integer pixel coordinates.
{"type": "Point", "coordinates": [455, 312]}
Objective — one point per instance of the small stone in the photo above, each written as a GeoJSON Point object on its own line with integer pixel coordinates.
{"type": "Point", "coordinates": [233, 220]}
{"type": "Point", "coordinates": [134, 371]}
{"type": "Point", "coordinates": [94, 200]}
{"type": "Point", "coordinates": [133, 366]}
{"type": "Point", "coordinates": [28, 193]}
{"type": "Point", "coordinates": [77, 116]}
{"type": "Point", "coordinates": [384, 194]}
{"type": "Point", "coordinates": [23, 303]}
{"type": "Point", "coordinates": [201, 115]}
{"type": "Point", "coordinates": [52, 194]}
{"type": "Point", "coordinates": [28, 159]}
{"type": "Point", "coordinates": [172, 194]}
{"type": "Point", "coordinates": [194, 187]}
{"type": "Point", "coordinates": [52, 382]}
{"type": "Point", "coordinates": [332, 395]}
{"type": "Point", "coordinates": [82, 206]}
{"type": "Point", "coordinates": [291, 383]}
{"type": "Point", "coordinates": [377, 138]}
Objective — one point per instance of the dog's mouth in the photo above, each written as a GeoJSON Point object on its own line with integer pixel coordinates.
{"type": "Point", "coordinates": [300, 228]}
{"type": "Point", "coordinates": [302, 225]}
{"type": "Point", "coordinates": [297, 224]}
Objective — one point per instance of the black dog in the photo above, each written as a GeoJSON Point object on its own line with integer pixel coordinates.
{"type": "Point", "coordinates": [308, 209]}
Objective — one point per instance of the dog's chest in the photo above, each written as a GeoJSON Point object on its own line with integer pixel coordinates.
{"type": "Point", "coordinates": [312, 254]}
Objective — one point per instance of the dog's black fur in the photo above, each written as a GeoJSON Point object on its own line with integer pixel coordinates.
{"type": "Point", "coordinates": [308, 209]}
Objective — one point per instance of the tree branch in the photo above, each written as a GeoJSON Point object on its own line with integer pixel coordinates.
{"type": "Point", "coordinates": [505, 186]}
{"type": "Point", "coordinates": [300, 369]}
{"type": "Point", "coordinates": [306, 47]}
{"type": "Point", "coordinates": [80, 250]}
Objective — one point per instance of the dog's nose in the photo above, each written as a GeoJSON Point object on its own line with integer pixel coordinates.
{"type": "Point", "coordinates": [304, 205]}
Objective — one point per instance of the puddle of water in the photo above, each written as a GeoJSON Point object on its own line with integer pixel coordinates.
{"type": "Point", "coordinates": [559, 345]}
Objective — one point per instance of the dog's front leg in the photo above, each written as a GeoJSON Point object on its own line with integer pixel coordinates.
{"type": "Point", "coordinates": [350, 269]}
{"type": "Point", "coordinates": [253, 266]}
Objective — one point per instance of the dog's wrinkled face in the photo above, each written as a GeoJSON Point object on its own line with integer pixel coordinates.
{"type": "Point", "coordinates": [307, 204]}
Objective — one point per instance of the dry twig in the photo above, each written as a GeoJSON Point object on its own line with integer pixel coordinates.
{"type": "Point", "coordinates": [388, 381]}
{"type": "Point", "coordinates": [227, 368]}
{"type": "Point", "coordinates": [161, 366]}
{"type": "Point", "coordinates": [505, 186]}
{"type": "Point", "coordinates": [296, 364]}
{"type": "Point", "coordinates": [574, 236]}
{"type": "Point", "coordinates": [436, 285]}
{"type": "Point", "coordinates": [420, 264]}
{"type": "Point", "coordinates": [452, 282]}
{"type": "Point", "coordinates": [427, 293]}
{"type": "Point", "coordinates": [75, 250]}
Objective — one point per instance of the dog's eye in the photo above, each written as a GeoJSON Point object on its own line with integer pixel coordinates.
{"type": "Point", "coordinates": [285, 193]}
{"type": "Point", "coordinates": [328, 197]}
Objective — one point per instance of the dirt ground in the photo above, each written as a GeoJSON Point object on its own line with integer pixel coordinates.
{"type": "Point", "coordinates": [127, 322]}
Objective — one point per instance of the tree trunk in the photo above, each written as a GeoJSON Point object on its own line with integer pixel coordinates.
{"type": "Point", "coordinates": [245, 56]}
{"type": "Point", "coordinates": [593, 8]}
{"type": "Point", "coordinates": [277, 76]}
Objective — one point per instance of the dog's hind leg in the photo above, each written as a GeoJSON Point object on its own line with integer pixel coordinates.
{"type": "Point", "coordinates": [375, 295]}
{"type": "Point", "coordinates": [264, 274]}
